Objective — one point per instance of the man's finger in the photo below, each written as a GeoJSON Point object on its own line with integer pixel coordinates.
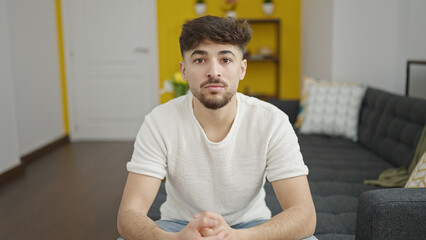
{"type": "Point", "coordinates": [222, 235]}
{"type": "Point", "coordinates": [206, 232]}
{"type": "Point", "coordinates": [203, 222]}
{"type": "Point", "coordinates": [209, 214]}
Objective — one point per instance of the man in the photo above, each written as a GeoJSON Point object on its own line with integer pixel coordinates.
{"type": "Point", "coordinates": [215, 147]}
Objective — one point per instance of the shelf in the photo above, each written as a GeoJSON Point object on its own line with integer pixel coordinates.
{"type": "Point", "coordinates": [264, 59]}
{"type": "Point", "coordinates": [263, 20]}
{"type": "Point", "coordinates": [263, 97]}
{"type": "Point", "coordinates": [274, 57]}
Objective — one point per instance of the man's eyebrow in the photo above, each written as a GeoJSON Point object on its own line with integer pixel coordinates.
{"type": "Point", "coordinates": [226, 52]}
{"type": "Point", "coordinates": [200, 52]}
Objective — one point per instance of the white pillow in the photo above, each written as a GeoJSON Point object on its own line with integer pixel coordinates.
{"type": "Point", "coordinates": [306, 82]}
{"type": "Point", "coordinates": [333, 108]}
{"type": "Point", "coordinates": [418, 176]}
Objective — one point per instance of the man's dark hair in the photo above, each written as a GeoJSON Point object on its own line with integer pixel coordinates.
{"type": "Point", "coordinates": [215, 29]}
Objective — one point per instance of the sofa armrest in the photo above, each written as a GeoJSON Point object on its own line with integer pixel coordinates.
{"type": "Point", "coordinates": [397, 213]}
{"type": "Point", "coordinates": [290, 107]}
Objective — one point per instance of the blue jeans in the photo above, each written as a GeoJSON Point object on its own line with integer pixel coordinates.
{"type": "Point", "coordinates": [177, 226]}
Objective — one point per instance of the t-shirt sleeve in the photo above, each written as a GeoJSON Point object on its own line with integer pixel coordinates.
{"type": "Point", "coordinates": [284, 159]}
{"type": "Point", "coordinates": [149, 154]}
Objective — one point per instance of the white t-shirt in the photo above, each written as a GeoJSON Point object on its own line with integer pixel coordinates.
{"type": "Point", "coordinates": [226, 177]}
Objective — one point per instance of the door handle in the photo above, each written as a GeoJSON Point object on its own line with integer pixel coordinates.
{"type": "Point", "coordinates": [141, 50]}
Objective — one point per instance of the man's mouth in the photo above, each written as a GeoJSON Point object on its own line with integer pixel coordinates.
{"type": "Point", "coordinates": [214, 87]}
{"type": "Point", "coordinates": [214, 84]}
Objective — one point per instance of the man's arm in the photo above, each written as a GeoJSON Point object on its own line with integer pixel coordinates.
{"type": "Point", "coordinates": [298, 218]}
{"type": "Point", "coordinates": [132, 220]}
{"type": "Point", "coordinates": [296, 221]}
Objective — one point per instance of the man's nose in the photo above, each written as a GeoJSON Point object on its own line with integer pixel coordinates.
{"type": "Point", "coordinates": [214, 70]}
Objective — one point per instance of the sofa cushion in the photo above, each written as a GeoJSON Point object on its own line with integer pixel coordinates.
{"type": "Point", "coordinates": [306, 83]}
{"type": "Point", "coordinates": [154, 211]}
{"type": "Point", "coordinates": [418, 176]}
{"type": "Point", "coordinates": [332, 109]}
{"type": "Point", "coordinates": [337, 169]}
{"type": "Point", "coordinates": [387, 214]}
{"type": "Point", "coordinates": [290, 107]}
{"type": "Point", "coordinates": [391, 125]}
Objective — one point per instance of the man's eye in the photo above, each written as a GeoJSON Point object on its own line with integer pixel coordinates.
{"type": "Point", "coordinates": [226, 60]}
{"type": "Point", "coordinates": [199, 60]}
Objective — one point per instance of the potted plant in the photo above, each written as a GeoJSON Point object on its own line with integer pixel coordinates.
{"type": "Point", "coordinates": [268, 7]}
{"type": "Point", "coordinates": [200, 7]}
{"type": "Point", "coordinates": [230, 7]}
{"type": "Point", "coordinates": [176, 84]}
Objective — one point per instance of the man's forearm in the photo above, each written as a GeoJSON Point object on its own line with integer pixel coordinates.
{"type": "Point", "coordinates": [295, 223]}
{"type": "Point", "coordinates": [133, 225]}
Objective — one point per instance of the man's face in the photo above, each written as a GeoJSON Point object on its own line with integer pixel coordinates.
{"type": "Point", "coordinates": [213, 72]}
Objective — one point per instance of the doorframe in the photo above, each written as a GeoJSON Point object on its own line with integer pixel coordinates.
{"type": "Point", "coordinates": [68, 56]}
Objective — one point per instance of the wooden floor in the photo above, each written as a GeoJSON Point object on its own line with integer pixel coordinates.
{"type": "Point", "coordinates": [72, 192]}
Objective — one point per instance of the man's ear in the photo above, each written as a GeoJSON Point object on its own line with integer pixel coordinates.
{"type": "Point", "coordinates": [243, 69]}
{"type": "Point", "coordinates": [182, 70]}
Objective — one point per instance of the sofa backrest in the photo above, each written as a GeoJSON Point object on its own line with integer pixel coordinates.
{"type": "Point", "coordinates": [391, 125]}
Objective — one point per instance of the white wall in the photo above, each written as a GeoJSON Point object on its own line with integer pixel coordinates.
{"type": "Point", "coordinates": [416, 29]}
{"type": "Point", "coordinates": [317, 40]}
{"type": "Point", "coordinates": [415, 45]}
{"type": "Point", "coordinates": [365, 36]}
{"type": "Point", "coordinates": [35, 72]}
{"type": "Point", "coordinates": [371, 40]}
{"type": "Point", "coordinates": [9, 156]}
{"type": "Point", "coordinates": [30, 94]}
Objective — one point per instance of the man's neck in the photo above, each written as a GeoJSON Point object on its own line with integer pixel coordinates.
{"type": "Point", "coordinates": [215, 123]}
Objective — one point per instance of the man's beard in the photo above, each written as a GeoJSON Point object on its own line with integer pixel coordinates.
{"type": "Point", "coordinates": [212, 102]}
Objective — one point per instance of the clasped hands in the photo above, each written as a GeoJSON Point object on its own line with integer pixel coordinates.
{"type": "Point", "coordinates": [209, 226]}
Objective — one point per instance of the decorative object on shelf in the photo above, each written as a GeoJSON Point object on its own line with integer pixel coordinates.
{"type": "Point", "coordinates": [263, 53]}
{"type": "Point", "coordinates": [175, 85]}
{"type": "Point", "coordinates": [200, 7]}
{"type": "Point", "coordinates": [230, 7]}
{"type": "Point", "coordinates": [268, 7]}
{"type": "Point", "coordinates": [266, 51]}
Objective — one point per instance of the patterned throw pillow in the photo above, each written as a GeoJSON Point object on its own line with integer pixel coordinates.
{"type": "Point", "coordinates": [307, 81]}
{"type": "Point", "coordinates": [417, 178]}
{"type": "Point", "coordinates": [332, 109]}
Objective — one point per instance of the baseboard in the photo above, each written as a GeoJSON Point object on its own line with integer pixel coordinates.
{"type": "Point", "coordinates": [20, 169]}
{"type": "Point", "coordinates": [12, 173]}
{"type": "Point", "coordinates": [45, 149]}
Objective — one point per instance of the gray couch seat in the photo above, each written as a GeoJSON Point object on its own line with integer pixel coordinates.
{"type": "Point", "coordinates": [337, 169]}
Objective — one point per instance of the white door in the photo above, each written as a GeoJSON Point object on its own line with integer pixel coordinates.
{"type": "Point", "coordinates": [111, 49]}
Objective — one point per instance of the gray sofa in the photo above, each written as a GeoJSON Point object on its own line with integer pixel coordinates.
{"type": "Point", "coordinates": [389, 129]}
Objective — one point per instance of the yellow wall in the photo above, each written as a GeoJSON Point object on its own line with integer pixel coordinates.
{"type": "Point", "coordinates": [172, 14]}
{"type": "Point", "coordinates": [58, 9]}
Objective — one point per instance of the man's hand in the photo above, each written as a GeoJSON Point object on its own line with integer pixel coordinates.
{"type": "Point", "coordinates": [221, 226]}
{"type": "Point", "coordinates": [194, 229]}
